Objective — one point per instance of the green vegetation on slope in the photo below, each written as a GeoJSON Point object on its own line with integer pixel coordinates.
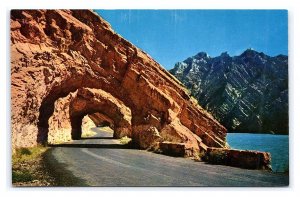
{"type": "Point", "coordinates": [28, 167]}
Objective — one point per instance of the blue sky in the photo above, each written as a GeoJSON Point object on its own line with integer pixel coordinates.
{"type": "Point", "coordinates": [170, 36]}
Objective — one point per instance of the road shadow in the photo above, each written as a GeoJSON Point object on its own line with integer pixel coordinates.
{"type": "Point", "coordinates": [104, 146]}
{"type": "Point", "coordinates": [97, 138]}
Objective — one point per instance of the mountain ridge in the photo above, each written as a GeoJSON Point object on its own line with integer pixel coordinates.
{"type": "Point", "coordinates": [246, 92]}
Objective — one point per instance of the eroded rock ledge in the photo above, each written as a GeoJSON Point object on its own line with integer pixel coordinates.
{"type": "Point", "coordinates": [66, 64]}
{"type": "Point", "coordinates": [239, 158]}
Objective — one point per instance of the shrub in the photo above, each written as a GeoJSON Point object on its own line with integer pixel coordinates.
{"type": "Point", "coordinates": [27, 154]}
{"type": "Point", "coordinates": [88, 133]}
{"type": "Point", "coordinates": [125, 140]}
{"type": "Point", "coordinates": [217, 157]}
{"type": "Point", "coordinates": [21, 176]}
{"type": "Point", "coordinates": [202, 155]}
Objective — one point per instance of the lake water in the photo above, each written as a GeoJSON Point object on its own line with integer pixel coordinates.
{"type": "Point", "coordinates": [277, 145]}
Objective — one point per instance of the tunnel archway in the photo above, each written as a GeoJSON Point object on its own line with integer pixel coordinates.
{"type": "Point", "coordinates": [88, 128]}
{"type": "Point", "coordinates": [96, 103]}
{"type": "Point", "coordinates": [91, 101]}
{"type": "Point", "coordinates": [71, 87]}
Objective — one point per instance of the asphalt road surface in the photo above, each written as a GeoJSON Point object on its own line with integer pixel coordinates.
{"type": "Point", "coordinates": [103, 161]}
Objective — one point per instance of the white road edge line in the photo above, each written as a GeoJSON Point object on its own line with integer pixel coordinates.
{"type": "Point", "coordinates": [106, 159]}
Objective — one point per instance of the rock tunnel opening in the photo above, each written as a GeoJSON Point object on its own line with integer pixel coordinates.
{"type": "Point", "coordinates": [47, 106]}
{"type": "Point", "coordinates": [71, 85]}
{"type": "Point", "coordinates": [100, 106]}
{"type": "Point", "coordinates": [93, 126]}
{"type": "Point", "coordinates": [78, 126]}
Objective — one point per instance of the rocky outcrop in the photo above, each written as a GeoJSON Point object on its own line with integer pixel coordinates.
{"type": "Point", "coordinates": [87, 124]}
{"type": "Point", "coordinates": [246, 93]}
{"type": "Point", "coordinates": [239, 158]}
{"type": "Point", "coordinates": [66, 64]}
{"type": "Point", "coordinates": [101, 120]}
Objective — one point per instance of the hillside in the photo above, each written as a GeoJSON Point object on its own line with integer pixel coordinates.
{"type": "Point", "coordinates": [246, 93]}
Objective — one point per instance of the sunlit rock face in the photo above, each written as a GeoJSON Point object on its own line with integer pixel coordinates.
{"type": "Point", "coordinates": [246, 93]}
{"type": "Point", "coordinates": [66, 64]}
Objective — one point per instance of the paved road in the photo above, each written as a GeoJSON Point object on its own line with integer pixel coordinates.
{"type": "Point", "coordinates": [103, 161]}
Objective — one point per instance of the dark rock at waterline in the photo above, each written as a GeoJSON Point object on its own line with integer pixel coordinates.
{"type": "Point", "coordinates": [239, 158]}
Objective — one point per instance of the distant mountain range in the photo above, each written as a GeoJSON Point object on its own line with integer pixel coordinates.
{"type": "Point", "coordinates": [246, 93]}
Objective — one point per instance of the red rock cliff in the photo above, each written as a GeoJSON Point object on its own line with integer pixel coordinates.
{"type": "Point", "coordinates": [73, 60]}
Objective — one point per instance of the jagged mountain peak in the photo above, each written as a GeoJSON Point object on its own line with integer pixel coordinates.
{"type": "Point", "coordinates": [251, 53]}
{"type": "Point", "coordinates": [201, 55]}
{"type": "Point", "coordinates": [225, 54]}
{"type": "Point", "coordinates": [246, 93]}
